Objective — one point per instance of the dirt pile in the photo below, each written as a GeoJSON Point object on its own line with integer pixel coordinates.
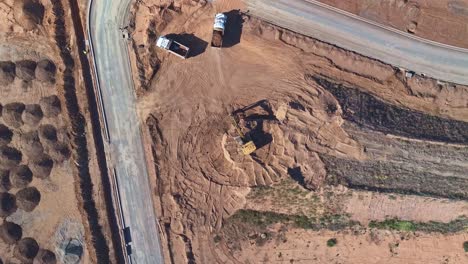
{"type": "Point", "coordinates": [28, 198]}
{"type": "Point", "coordinates": [10, 232]}
{"type": "Point", "coordinates": [5, 183]}
{"type": "Point", "coordinates": [30, 144]}
{"type": "Point", "coordinates": [28, 13]}
{"type": "Point", "coordinates": [12, 114]}
{"type": "Point", "coordinates": [21, 176]}
{"type": "Point", "coordinates": [41, 166]}
{"type": "Point", "coordinates": [45, 257]}
{"type": "Point", "coordinates": [7, 72]}
{"type": "Point", "coordinates": [46, 71]}
{"type": "Point", "coordinates": [25, 70]}
{"type": "Point", "coordinates": [9, 157]}
{"type": "Point", "coordinates": [32, 115]}
{"type": "Point", "coordinates": [50, 105]}
{"type": "Point", "coordinates": [5, 135]}
{"type": "Point", "coordinates": [26, 249]}
{"type": "Point", "coordinates": [7, 204]}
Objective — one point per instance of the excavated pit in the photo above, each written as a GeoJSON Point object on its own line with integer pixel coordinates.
{"type": "Point", "coordinates": [45, 257]}
{"type": "Point", "coordinates": [28, 198]}
{"type": "Point", "coordinates": [28, 13]}
{"type": "Point", "coordinates": [12, 114]}
{"type": "Point", "coordinates": [10, 232]}
{"type": "Point", "coordinates": [30, 144]}
{"type": "Point", "coordinates": [25, 70]}
{"type": "Point", "coordinates": [5, 183]}
{"type": "Point", "coordinates": [50, 106]}
{"type": "Point", "coordinates": [9, 157]}
{"type": "Point", "coordinates": [6, 135]}
{"type": "Point", "coordinates": [46, 71]}
{"type": "Point", "coordinates": [7, 73]}
{"type": "Point", "coordinates": [21, 177]}
{"type": "Point", "coordinates": [7, 204]}
{"type": "Point", "coordinates": [32, 115]}
{"type": "Point", "coordinates": [41, 166]}
{"type": "Point", "coordinates": [26, 249]}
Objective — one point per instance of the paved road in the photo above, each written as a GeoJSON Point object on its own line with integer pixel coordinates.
{"type": "Point", "coordinates": [351, 32]}
{"type": "Point", "coordinates": [126, 145]}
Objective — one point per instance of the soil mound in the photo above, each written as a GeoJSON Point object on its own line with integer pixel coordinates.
{"type": "Point", "coordinates": [7, 204]}
{"type": "Point", "coordinates": [28, 198]}
{"type": "Point", "coordinates": [5, 135]}
{"type": "Point", "coordinates": [48, 134]}
{"type": "Point", "coordinates": [45, 71]}
{"type": "Point", "coordinates": [28, 13]}
{"type": "Point", "coordinates": [25, 70]}
{"type": "Point", "coordinates": [9, 157]}
{"type": "Point", "coordinates": [26, 249]}
{"type": "Point", "coordinates": [41, 166]}
{"type": "Point", "coordinates": [12, 113]}
{"type": "Point", "coordinates": [60, 152]}
{"type": "Point", "coordinates": [7, 72]}
{"type": "Point", "coordinates": [10, 232]}
{"type": "Point", "coordinates": [30, 144]}
{"type": "Point", "coordinates": [45, 257]}
{"type": "Point", "coordinates": [32, 115]}
{"type": "Point", "coordinates": [50, 106]}
{"type": "Point", "coordinates": [21, 176]}
{"type": "Point", "coordinates": [5, 184]}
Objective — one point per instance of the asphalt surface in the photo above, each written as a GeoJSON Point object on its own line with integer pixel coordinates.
{"type": "Point", "coordinates": [123, 126]}
{"type": "Point", "coordinates": [365, 37]}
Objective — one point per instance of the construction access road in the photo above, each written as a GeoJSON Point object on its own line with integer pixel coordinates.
{"type": "Point", "coordinates": [115, 82]}
{"type": "Point", "coordinates": [351, 32]}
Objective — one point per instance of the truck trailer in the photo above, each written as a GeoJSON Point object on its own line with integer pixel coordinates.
{"type": "Point", "coordinates": [218, 30]}
{"type": "Point", "coordinates": [172, 46]}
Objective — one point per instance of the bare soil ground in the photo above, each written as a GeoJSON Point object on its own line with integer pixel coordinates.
{"type": "Point", "coordinates": [58, 219]}
{"type": "Point", "coordinates": [323, 119]}
{"type": "Point", "coordinates": [439, 20]}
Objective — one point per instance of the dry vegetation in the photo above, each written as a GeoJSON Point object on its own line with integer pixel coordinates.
{"type": "Point", "coordinates": [330, 125]}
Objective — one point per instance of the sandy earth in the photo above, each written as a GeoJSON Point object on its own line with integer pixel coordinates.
{"type": "Point", "coordinates": [201, 179]}
{"type": "Point", "coordinates": [439, 20]}
{"type": "Point", "coordinates": [370, 247]}
{"type": "Point", "coordinates": [59, 217]}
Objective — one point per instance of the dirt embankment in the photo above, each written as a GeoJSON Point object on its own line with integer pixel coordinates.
{"type": "Point", "coordinates": [443, 21]}
{"type": "Point", "coordinates": [264, 73]}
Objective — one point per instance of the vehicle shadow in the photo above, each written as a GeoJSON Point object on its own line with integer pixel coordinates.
{"type": "Point", "coordinates": [196, 45]}
{"type": "Point", "coordinates": [233, 32]}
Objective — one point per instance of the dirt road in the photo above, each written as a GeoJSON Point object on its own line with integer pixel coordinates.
{"type": "Point", "coordinates": [354, 33]}
{"type": "Point", "coordinates": [128, 157]}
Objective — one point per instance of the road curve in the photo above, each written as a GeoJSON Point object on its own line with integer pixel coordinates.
{"type": "Point", "coordinates": [351, 32]}
{"type": "Point", "coordinates": [123, 127]}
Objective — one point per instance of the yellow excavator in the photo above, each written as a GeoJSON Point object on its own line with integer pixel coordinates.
{"type": "Point", "coordinates": [246, 144]}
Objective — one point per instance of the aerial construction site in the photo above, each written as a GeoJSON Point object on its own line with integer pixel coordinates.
{"type": "Point", "coordinates": [216, 132]}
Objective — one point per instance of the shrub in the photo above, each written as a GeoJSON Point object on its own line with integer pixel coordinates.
{"type": "Point", "coordinates": [465, 246]}
{"type": "Point", "coordinates": [331, 242]}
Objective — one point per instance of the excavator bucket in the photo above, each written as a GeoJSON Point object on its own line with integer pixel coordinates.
{"type": "Point", "coordinates": [248, 148]}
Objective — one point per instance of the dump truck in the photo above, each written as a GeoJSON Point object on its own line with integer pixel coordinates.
{"type": "Point", "coordinates": [218, 30]}
{"type": "Point", "coordinates": [172, 46]}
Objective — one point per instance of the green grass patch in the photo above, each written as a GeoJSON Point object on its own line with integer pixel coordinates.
{"type": "Point", "coordinates": [457, 225]}
{"type": "Point", "coordinates": [264, 219]}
